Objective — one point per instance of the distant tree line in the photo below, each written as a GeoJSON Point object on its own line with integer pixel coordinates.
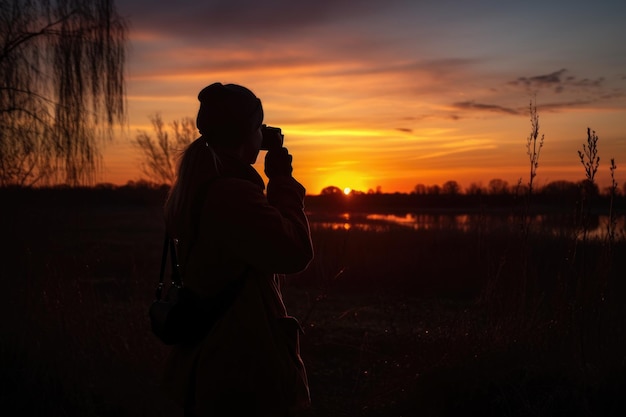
{"type": "Point", "coordinates": [554, 196]}
{"type": "Point", "coordinates": [498, 186]}
{"type": "Point", "coordinates": [450, 196]}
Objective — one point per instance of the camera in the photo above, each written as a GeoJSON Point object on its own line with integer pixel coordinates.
{"type": "Point", "coordinates": [272, 138]}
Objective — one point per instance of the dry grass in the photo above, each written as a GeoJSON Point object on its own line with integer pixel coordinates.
{"type": "Point", "coordinates": [397, 323]}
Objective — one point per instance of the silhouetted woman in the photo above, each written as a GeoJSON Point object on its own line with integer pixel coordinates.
{"type": "Point", "coordinates": [228, 228]}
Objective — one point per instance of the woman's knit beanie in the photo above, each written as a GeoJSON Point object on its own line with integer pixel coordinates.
{"type": "Point", "coordinates": [228, 113]}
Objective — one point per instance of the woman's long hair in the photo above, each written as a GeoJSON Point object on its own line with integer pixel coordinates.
{"type": "Point", "coordinates": [228, 114]}
{"type": "Point", "coordinates": [198, 164]}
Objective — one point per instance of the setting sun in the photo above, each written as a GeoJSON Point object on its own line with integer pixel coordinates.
{"type": "Point", "coordinates": [333, 175]}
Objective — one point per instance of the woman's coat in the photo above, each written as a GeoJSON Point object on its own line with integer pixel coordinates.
{"type": "Point", "coordinates": [250, 359]}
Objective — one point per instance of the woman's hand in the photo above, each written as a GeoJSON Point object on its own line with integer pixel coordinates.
{"type": "Point", "coordinates": [278, 163]}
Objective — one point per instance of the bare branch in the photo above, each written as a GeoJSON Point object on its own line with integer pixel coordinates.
{"type": "Point", "coordinates": [159, 155]}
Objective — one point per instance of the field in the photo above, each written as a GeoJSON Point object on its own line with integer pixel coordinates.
{"type": "Point", "coordinates": [493, 320]}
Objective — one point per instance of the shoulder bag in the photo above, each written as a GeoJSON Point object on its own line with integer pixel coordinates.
{"type": "Point", "coordinates": [180, 316]}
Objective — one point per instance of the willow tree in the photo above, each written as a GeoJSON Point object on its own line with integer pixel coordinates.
{"type": "Point", "coordinates": [62, 88]}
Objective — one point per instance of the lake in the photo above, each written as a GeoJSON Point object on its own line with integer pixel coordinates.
{"type": "Point", "coordinates": [556, 224]}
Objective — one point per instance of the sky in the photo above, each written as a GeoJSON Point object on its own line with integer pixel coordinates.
{"type": "Point", "coordinates": [390, 94]}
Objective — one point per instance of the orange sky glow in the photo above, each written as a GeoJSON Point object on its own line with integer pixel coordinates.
{"type": "Point", "coordinates": [368, 101]}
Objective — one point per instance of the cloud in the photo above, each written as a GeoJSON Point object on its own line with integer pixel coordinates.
{"type": "Point", "coordinates": [558, 81]}
{"type": "Point", "coordinates": [560, 91]}
{"type": "Point", "coordinates": [471, 105]}
{"type": "Point", "coordinates": [234, 18]}
{"type": "Point", "coordinates": [544, 80]}
{"type": "Point", "coordinates": [564, 105]}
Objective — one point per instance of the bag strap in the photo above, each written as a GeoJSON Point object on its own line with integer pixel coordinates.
{"type": "Point", "coordinates": [159, 289]}
{"type": "Point", "coordinates": [229, 293]}
{"type": "Point", "coordinates": [176, 276]}
{"type": "Point", "coordinates": [168, 245]}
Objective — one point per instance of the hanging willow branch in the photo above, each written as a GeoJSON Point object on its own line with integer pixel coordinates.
{"type": "Point", "coordinates": [62, 88]}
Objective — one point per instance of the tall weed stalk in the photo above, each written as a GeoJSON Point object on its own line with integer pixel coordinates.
{"type": "Point", "coordinates": [506, 293]}
{"type": "Point", "coordinates": [534, 144]}
{"type": "Point", "coordinates": [594, 306]}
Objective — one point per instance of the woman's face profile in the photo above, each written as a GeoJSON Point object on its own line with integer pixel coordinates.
{"type": "Point", "coordinates": [252, 146]}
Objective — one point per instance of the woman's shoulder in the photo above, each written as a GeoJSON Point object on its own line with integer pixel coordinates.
{"type": "Point", "coordinates": [234, 186]}
{"type": "Point", "coordinates": [240, 175]}
{"type": "Point", "coordinates": [232, 194]}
